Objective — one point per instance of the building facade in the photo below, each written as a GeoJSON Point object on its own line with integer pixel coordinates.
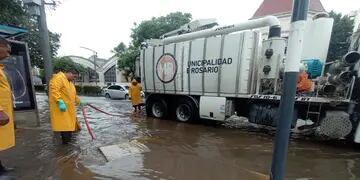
{"type": "Point", "coordinates": [282, 9]}
{"type": "Point", "coordinates": [102, 73]}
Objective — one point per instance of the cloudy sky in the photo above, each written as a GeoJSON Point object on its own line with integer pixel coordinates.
{"type": "Point", "coordinates": [102, 24]}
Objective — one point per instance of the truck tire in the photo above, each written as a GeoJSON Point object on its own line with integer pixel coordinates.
{"type": "Point", "coordinates": [157, 108]}
{"type": "Point", "coordinates": [186, 111]}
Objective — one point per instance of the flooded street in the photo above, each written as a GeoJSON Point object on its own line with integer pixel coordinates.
{"type": "Point", "coordinates": [176, 151]}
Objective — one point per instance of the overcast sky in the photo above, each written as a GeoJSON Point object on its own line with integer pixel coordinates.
{"type": "Point", "coordinates": [102, 24]}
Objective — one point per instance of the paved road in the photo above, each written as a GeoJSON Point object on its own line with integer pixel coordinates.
{"type": "Point", "coordinates": [177, 151]}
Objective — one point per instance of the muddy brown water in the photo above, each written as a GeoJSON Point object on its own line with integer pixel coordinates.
{"type": "Point", "coordinates": [177, 151]}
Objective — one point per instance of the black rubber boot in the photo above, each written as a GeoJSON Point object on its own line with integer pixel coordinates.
{"type": "Point", "coordinates": [4, 170]}
{"type": "Point", "coordinates": [65, 137]}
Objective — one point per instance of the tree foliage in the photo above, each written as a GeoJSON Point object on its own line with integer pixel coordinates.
{"type": "Point", "coordinates": [33, 40]}
{"type": "Point", "coordinates": [119, 49]}
{"type": "Point", "coordinates": [65, 64]}
{"type": "Point", "coordinates": [127, 59]}
{"type": "Point", "coordinates": [340, 37]}
{"type": "Point", "coordinates": [148, 29]}
{"type": "Point", "coordinates": [12, 12]}
{"type": "Point", "coordinates": [158, 26]}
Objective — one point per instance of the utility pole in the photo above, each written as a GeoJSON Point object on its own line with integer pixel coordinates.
{"type": "Point", "coordinates": [95, 64]}
{"type": "Point", "coordinates": [37, 9]}
{"type": "Point", "coordinates": [292, 65]}
{"type": "Point", "coordinates": [45, 43]}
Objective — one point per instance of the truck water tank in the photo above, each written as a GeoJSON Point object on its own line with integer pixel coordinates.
{"type": "Point", "coordinates": [314, 67]}
{"type": "Point", "coordinates": [317, 38]}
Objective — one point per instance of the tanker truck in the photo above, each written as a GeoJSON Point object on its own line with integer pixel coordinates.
{"type": "Point", "coordinates": [210, 72]}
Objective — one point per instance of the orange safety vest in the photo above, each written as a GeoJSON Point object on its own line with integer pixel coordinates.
{"type": "Point", "coordinates": [304, 84]}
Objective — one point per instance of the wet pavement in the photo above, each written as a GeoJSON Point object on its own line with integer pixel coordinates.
{"type": "Point", "coordinates": [177, 151]}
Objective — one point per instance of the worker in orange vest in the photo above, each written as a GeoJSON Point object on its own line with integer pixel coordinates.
{"type": "Point", "coordinates": [304, 84]}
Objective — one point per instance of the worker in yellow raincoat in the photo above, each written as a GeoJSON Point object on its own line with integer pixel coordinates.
{"type": "Point", "coordinates": [62, 101]}
{"type": "Point", "coordinates": [7, 132]}
{"type": "Point", "coordinates": [135, 95]}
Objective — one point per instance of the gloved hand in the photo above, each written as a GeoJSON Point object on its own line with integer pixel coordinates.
{"type": "Point", "coordinates": [61, 105]}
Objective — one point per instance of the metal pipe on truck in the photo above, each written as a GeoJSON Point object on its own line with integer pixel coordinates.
{"type": "Point", "coordinates": [343, 78]}
{"type": "Point", "coordinates": [328, 89]}
{"type": "Point", "coordinates": [349, 59]}
{"type": "Point", "coordinates": [271, 21]}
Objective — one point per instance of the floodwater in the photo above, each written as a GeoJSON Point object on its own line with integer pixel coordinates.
{"type": "Point", "coordinates": [176, 151]}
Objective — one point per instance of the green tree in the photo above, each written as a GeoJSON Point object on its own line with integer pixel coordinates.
{"type": "Point", "coordinates": [66, 64]}
{"type": "Point", "coordinates": [148, 29]}
{"type": "Point", "coordinates": [33, 40]}
{"type": "Point", "coordinates": [158, 26]}
{"type": "Point", "coordinates": [119, 49]}
{"type": "Point", "coordinates": [340, 37]}
{"type": "Point", "coordinates": [12, 12]}
{"type": "Point", "coordinates": [127, 59]}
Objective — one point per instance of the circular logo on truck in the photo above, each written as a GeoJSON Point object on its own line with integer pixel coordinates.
{"type": "Point", "coordinates": [166, 68]}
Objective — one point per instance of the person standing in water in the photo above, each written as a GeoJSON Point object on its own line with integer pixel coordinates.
{"type": "Point", "coordinates": [135, 95]}
{"type": "Point", "coordinates": [62, 101]}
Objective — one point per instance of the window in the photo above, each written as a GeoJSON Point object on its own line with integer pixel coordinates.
{"type": "Point", "coordinates": [122, 89]}
{"type": "Point", "coordinates": [110, 75]}
{"type": "Point", "coordinates": [117, 87]}
{"type": "Point", "coordinates": [111, 87]}
{"type": "Point", "coordinates": [80, 78]}
{"type": "Point", "coordinates": [93, 75]}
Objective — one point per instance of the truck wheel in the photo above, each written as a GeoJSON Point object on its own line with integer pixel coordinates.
{"type": "Point", "coordinates": [158, 108]}
{"type": "Point", "coordinates": [186, 111]}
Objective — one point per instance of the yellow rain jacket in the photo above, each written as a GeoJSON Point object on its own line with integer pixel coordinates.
{"type": "Point", "coordinates": [62, 89]}
{"type": "Point", "coordinates": [7, 132]}
{"type": "Point", "coordinates": [135, 93]}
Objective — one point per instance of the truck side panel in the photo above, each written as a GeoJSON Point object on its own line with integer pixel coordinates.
{"type": "Point", "coordinates": [214, 66]}
{"type": "Point", "coordinates": [148, 69]}
{"type": "Point", "coordinates": [170, 49]}
{"type": "Point", "coordinates": [197, 54]}
{"type": "Point", "coordinates": [231, 49]}
{"type": "Point", "coordinates": [182, 58]}
{"type": "Point", "coordinates": [247, 58]}
{"type": "Point", "coordinates": [142, 61]}
{"type": "Point", "coordinates": [213, 48]}
{"type": "Point", "coordinates": [158, 84]}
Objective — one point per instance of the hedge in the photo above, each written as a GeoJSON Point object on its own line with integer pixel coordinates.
{"type": "Point", "coordinates": [88, 90]}
{"type": "Point", "coordinates": [82, 90]}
